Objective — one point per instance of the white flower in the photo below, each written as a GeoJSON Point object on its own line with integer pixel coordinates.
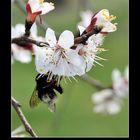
{"type": "Point", "coordinates": [40, 5]}
{"type": "Point", "coordinates": [103, 19]}
{"type": "Point", "coordinates": [86, 17]}
{"type": "Point", "coordinates": [19, 30]}
{"type": "Point", "coordinates": [89, 51]}
{"type": "Point", "coordinates": [59, 58]}
{"type": "Point", "coordinates": [105, 102]}
{"type": "Point", "coordinates": [21, 54]}
{"type": "Point", "coordinates": [120, 83]}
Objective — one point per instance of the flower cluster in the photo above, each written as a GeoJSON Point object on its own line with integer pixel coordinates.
{"type": "Point", "coordinates": [62, 59]}
{"type": "Point", "coordinates": [63, 56]}
{"type": "Point", "coordinates": [110, 100]}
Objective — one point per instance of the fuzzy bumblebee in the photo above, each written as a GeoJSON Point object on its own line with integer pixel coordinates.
{"type": "Point", "coordinates": [45, 91]}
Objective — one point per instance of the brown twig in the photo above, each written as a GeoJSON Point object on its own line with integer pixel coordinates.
{"type": "Point", "coordinates": [27, 126]}
{"type": "Point", "coordinates": [23, 41]}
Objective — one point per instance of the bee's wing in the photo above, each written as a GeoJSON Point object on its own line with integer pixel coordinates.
{"type": "Point", "coordinates": [34, 100]}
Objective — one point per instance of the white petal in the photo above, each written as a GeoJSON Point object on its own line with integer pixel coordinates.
{"type": "Point", "coordinates": [86, 18]}
{"type": "Point", "coordinates": [50, 37]}
{"type": "Point", "coordinates": [66, 39]}
{"type": "Point", "coordinates": [34, 31]}
{"type": "Point", "coordinates": [126, 73]}
{"type": "Point", "coordinates": [70, 66]}
{"type": "Point", "coordinates": [81, 29]}
{"type": "Point", "coordinates": [102, 17]}
{"type": "Point", "coordinates": [43, 57]}
{"type": "Point", "coordinates": [109, 27]}
{"type": "Point", "coordinates": [113, 107]}
{"type": "Point", "coordinates": [13, 33]}
{"type": "Point", "coordinates": [116, 75]}
{"type": "Point", "coordinates": [97, 39]}
{"type": "Point", "coordinates": [34, 4]}
{"type": "Point", "coordinates": [101, 96]}
{"type": "Point", "coordinates": [46, 7]}
{"type": "Point", "coordinates": [100, 108]}
{"type": "Point", "coordinates": [77, 63]}
{"type": "Point", "coordinates": [21, 54]}
{"type": "Point", "coordinates": [18, 30]}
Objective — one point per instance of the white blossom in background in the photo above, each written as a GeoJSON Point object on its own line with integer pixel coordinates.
{"type": "Point", "coordinates": [121, 82]}
{"type": "Point", "coordinates": [19, 53]}
{"type": "Point", "coordinates": [105, 102]}
{"type": "Point", "coordinates": [18, 132]}
{"type": "Point", "coordinates": [85, 18]}
{"type": "Point", "coordinates": [59, 59]}
{"type": "Point", "coordinates": [110, 100]}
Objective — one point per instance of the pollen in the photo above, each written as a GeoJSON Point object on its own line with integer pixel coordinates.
{"type": "Point", "coordinates": [112, 17]}
{"type": "Point", "coordinates": [105, 14]}
{"type": "Point", "coordinates": [100, 49]}
{"type": "Point", "coordinates": [41, 69]}
{"type": "Point", "coordinates": [49, 40]}
{"type": "Point", "coordinates": [115, 24]}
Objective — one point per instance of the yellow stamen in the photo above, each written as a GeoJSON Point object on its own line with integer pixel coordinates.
{"type": "Point", "coordinates": [100, 49]}
{"type": "Point", "coordinates": [115, 24]}
{"type": "Point", "coordinates": [41, 69]}
{"type": "Point", "coordinates": [105, 14]}
{"type": "Point", "coordinates": [112, 17]}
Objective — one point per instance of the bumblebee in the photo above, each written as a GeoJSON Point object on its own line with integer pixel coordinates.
{"type": "Point", "coordinates": [45, 91]}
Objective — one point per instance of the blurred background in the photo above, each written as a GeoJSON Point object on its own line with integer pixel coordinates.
{"type": "Point", "coordinates": [74, 115]}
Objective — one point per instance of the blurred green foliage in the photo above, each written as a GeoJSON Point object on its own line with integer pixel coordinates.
{"type": "Point", "coordinates": [74, 115]}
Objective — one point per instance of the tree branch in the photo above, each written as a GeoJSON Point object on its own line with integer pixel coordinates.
{"type": "Point", "coordinates": [27, 126]}
{"type": "Point", "coordinates": [23, 41]}
{"type": "Point", "coordinates": [93, 82]}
